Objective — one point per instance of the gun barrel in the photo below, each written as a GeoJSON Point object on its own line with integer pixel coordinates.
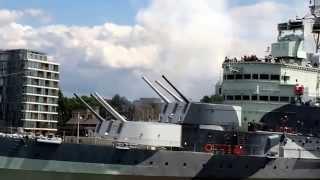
{"type": "Point", "coordinates": [108, 107]}
{"type": "Point", "coordinates": [101, 119]}
{"type": "Point", "coordinates": [164, 98]}
{"type": "Point", "coordinates": [180, 94]}
{"type": "Point", "coordinates": [170, 92]}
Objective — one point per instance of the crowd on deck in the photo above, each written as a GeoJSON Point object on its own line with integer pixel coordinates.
{"type": "Point", "coordinates": [251, 58]}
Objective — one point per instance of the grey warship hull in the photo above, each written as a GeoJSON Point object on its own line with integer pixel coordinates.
{"type": "Point", "coordinates": [32, 160]}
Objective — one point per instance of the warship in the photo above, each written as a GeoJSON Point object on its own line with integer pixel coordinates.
{"type": "Point", "coordinates": [267, 127]}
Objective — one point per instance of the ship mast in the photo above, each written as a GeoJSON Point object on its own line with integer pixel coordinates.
{"type": "Point", "coordinates": [315, 11]}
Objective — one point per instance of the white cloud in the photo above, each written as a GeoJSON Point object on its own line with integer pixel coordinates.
{"type": "Point", "coordinates": [185, 39]}
{"type": "Point", "coordinates": [9, 16]}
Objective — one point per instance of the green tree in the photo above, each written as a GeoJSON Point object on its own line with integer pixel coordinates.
{"type": "Point", "coordinates": [67, 104]}
{"type": "Point", "coordinates": [214, 99]}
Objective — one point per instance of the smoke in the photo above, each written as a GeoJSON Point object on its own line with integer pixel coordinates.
{"type": "Point", "coordinates": [185, 39]}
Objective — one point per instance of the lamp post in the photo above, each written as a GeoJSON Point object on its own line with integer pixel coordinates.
{"type": "Point", "coordinates": [78, 127]}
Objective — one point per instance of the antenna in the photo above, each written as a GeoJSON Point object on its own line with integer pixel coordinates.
{"type": "Point", "coordinates": [170, 92]}
{"type": "Point", "coordinates": [164, 98]}
{"type": "Point", "coordinates": [180, 94]}
{"type": "Point", "coordinates": [101, 119]}
{"type": "Point", "coordinates": [108, 107]}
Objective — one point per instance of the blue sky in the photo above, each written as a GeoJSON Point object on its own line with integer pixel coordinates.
{"type": "Point", "coordinates": [93, 12]}
{"type": "Point", "coordinates": [82, 12]}
{"type": "Point", "coordinates": [106, 45]}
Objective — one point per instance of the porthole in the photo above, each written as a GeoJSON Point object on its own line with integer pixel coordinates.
{"type": "Point", "coordinates": [166, 163]}
{"type": "Point", "coordinates": [184, 164]}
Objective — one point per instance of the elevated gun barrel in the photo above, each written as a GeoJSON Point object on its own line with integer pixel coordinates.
{"type": "Point", "coordinates": [180, 94]}
{"type": "Point", "coordinates": [165, 99]}
{"type": "Point", "coordinates": [101, 119]}
{"type": "Point", "coordinates": [170, 92]}
{"type": "Point", "coordinates": [108, 107]}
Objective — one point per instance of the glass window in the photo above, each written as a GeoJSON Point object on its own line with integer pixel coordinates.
{"type": "Point", "coordinates": [230, 76]}
{"type": "Point", "coordinates": [237, 98]}
{"type": "Point", "coordinates": [247, 76]}
{"type": "Point", "coordinates": [274, 98]}
{"type": "Point", "coordinates": [224, 77]}
{"type": "Point", "coordinates": [284, 99]}
{"type": "Point", "coordinates": [230, 97]}
{"type": "Point", "coordinates": [246, 98]}
{"type": "Point", "coordinates": [264, 76]}
{"type": "Point", "coordinates": [238, 76]}
{"type": "Point", "coordinates": [255, 76]}
{"type": "Point", "coordinates": [275, 77]}
{"type": "Point", "coordinates": [285, 78]}
{"type": "Point", "coordinates": [263, 98]}
{"type": "Point", "coordinates": [254, 98]}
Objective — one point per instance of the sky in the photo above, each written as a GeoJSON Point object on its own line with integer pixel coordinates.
{"type": "Point", "coordinates": [106, 46]}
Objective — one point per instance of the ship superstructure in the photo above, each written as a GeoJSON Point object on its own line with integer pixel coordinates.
{"type": "Point", "coordinates": [263, 85]}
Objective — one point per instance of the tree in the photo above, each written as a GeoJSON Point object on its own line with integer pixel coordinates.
{"type": "Point", "coordinates": [62, 110]}
{"type": "Point", "coordinates": [214, 99]}
{"type": "Point", "coordinates": [67, 104]}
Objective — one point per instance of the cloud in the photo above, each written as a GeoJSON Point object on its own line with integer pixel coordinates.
{"type": "Point", "coordinates": [186, 40]}
{"type": "Point", "coordinates": [9, 16]}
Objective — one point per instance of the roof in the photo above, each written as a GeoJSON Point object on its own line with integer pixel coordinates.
{"type": "Point", "coordinates": [28, 50]}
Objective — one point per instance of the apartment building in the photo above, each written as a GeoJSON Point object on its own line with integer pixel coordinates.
{"type": "Point", "coordinates": [29, 85]}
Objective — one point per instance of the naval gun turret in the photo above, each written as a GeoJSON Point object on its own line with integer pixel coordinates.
{"type": "Point", "coordinates": [179, 120]}
{"type": "Point", "coordinates": [183, 111]}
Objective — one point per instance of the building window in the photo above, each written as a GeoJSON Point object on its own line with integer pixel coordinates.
{"type": "Point", "coordinates": [230, 97]}
{"type": "Point", "coordinates": [247, 76]}
{"type": "Point", "coordinates": [255, 76]}
{"type": "Point", "coordinates": [285, 78]}
{"type": "Point", "coordinates": [254, 98]}
{"type": "Point", "coordinates": [284, 99]}
{"type": "Point", "coordinates": [224, 77]}
{"type": "Point", "coordinates": [230, 76]}
{"type": "Point", "coordinates": [246, 98]}
{"type": "Point", "coordinates": [238, 76]}
{"type": "Point", "coordinates": [274, 98]}
{"type": "Point", "coordinates": [237, 98]}
{"type": "Point", "coordinates": [263, 98]}
{"type": "Point", "coordinates": [275, 77]}
{"type": "Point", "coordinates": [264, 76]}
